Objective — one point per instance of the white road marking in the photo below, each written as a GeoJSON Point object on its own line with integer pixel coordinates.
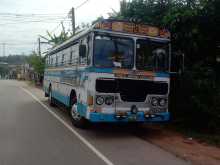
{"type": "Point", "coordinates": [89, 145]}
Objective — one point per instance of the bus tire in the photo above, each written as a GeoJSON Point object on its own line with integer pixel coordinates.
{"type": "Point", "coordinates": [77, 120]}
{"type": "Point", "coordinates": [50, 98]}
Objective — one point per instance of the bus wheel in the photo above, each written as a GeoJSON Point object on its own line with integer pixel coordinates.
{"type": "Point", "coordinates": [77, 120]}
{"type": "Point", "coordinates": [51, 99]}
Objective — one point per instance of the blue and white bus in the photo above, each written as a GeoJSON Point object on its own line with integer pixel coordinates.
{"type": "Point", "coordinates": [115, 71]}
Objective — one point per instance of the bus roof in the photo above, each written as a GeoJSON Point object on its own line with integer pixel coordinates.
{"type": "Point", "coordinates": [70, 41]}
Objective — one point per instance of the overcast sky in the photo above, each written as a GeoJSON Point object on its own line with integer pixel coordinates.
{"type": "Point", "coordinates": [20, 35]}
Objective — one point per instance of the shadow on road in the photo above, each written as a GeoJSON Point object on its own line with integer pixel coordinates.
{"type": "Point", "coordinates": [110, 130]}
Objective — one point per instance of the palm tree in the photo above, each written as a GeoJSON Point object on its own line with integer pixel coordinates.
{"type": "Point", "coordinates": [54, 39]}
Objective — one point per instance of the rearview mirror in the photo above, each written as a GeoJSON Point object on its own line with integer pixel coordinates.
{"type": "Point", "coordinates": [82, 51]}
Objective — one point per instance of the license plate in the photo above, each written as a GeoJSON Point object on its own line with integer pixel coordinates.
{"type": "Point", "coordinates": [132, 118]}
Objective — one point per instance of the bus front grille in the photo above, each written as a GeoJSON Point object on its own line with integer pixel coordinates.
{"type": "Point", "coordinates": [131, 90]}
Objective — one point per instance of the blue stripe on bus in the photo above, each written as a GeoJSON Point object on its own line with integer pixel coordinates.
{"type": "Point", "coordinates": [100, 70]}
{"type": "Point", "coordinates": [99, 117]}
{"type": "Point", "coordinates": [82, 109]}
{"type": "Point", "coordinates": [62, 98]}
{"type": "Point", "coordinates": [162, 74]}
{"type": "Point", "coordinates": [75, 73]}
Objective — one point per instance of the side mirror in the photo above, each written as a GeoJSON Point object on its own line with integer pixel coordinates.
{"type": "Point", "coordinates": [178, 63]}
{"type": "Point", "coordinates": [82, 51]}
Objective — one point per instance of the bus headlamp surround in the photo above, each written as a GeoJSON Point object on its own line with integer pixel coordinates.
{"type": "Point", "coordinates": [162, 102]}
{"type": "Point", "coordinates": [158, 101]}
{"type": "Point", "coordinates": [154, 101]}
{"type": "Point", "coordinates": [100, 100]}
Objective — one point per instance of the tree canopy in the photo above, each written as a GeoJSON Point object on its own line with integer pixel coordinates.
{"type": "Point", "coordinates": [13, 59]}
{"type": "Point", "coordinates": [37, 62]}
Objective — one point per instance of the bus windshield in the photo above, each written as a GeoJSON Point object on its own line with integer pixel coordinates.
{"type": "Point", "coordinates": [152, 55]}
{"type": "Point", "coordinates": [113, 52]}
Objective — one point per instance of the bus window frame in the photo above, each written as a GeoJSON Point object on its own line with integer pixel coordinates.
{"type": "Point", "coordinates": [112, 35]}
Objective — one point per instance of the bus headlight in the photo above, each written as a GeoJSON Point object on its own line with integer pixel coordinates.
{"type": "Point", "coordinates": [100, 100]}
{"type": "Point", "coordinates": [154, 101]}
{"type": "Point", "coordinates": [109, 100]}
{"type": "Point", "coordinates": [162, 102]}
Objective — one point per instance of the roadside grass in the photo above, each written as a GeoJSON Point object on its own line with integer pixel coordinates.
{"type": "Point", "coordinates": [34, 84]}
{"type": "Point", "coordinates": [31, 82]}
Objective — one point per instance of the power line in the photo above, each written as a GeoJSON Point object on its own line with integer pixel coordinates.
{"type": "Point", "coordinates": [81, 4]}
{"type": "Point", "coordinates": [21, 18]}
{"type": "Point", "coordinates": [16, 44]}
{"type": "Point", "coordinates": [31, 14]}
{"type": "Point", "coordinates": [64, 19]}
{"type": "Point", "coordinates": [15, 18]}
{"type": "Point", "coordinates": [40, 18]}
{"type": "Point", "coordinates": [30, 18]}
{"type": "Point", "coordinates": [34, 21]}
{"type": "Point", "coordinates": [56, 28]}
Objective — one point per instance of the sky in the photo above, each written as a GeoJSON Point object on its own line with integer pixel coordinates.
{"type": "Point", "coordinates": [20, 34]}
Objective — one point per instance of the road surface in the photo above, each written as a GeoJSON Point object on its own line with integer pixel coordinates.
{"type": "Point", "coordinates": [33, 133]}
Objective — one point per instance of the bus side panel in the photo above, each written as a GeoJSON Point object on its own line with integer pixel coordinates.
{"type": "Point", "coordinates": [46, 83]}
{"type": "Point", "coordinates": [63, 82]}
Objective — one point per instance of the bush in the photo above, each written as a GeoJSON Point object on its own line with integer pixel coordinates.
{"type": "Point", "coordinates": [196, 100]}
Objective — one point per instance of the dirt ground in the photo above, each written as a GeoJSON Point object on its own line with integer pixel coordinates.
{"type": "Point", "coordinates": [185, 147]}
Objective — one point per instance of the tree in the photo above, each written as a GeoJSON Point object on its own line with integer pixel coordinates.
{"type": "Point", "coordinates": [3, 70]}
{"type": "Point", "coordinates": [13, 59]}
{"type": "Point", "coordinates": [56, 39]}
{"type": "Point", "coordinates": [37, 62]}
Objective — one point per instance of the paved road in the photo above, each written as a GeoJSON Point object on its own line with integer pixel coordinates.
{"type": "Point", "coordinates": [31, 133]}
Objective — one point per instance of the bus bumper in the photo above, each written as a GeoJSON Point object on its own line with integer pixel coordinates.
{"type": "Point", "coordinates": [139, 117]}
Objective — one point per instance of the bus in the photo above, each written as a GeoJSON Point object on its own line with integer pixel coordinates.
{"type": "Point", "coordinates": [114, 71]}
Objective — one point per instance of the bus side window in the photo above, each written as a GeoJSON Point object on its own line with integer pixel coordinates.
{"type": "Point", "coordinates": [62, 60]}
{"type": "Point", "coordinates": [67, 56]}
{"type": "Point", "coordinates": [51, 61]}
{"type": "Point", "coordinates": [89, 43]}
{"type": "Point", "coordinates": [83, 59]}
{"type": "Point", "coordinates": [74, 57]}
{"type": "Point", "coordinates": [48, 61]}
{"type": "Point", "coordinates": [56, 60]}
{"type": "Point", "coordinates": [71, 57]}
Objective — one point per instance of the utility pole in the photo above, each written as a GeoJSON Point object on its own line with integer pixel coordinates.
{"type": "Point", "coordinates": [39, 47]}
{"type": "Point", "coordinates": [73, 20]}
